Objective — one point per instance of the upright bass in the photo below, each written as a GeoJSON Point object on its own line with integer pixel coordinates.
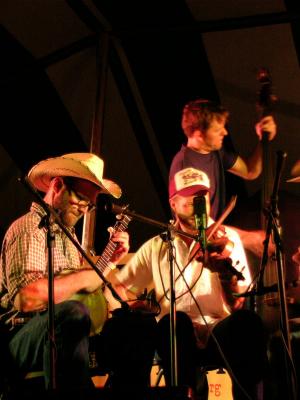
{"type": "Point", "coordinates": [267, 304]}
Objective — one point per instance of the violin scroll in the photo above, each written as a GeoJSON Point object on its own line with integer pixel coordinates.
{"type": "Point", "coordinates": [224, 267]}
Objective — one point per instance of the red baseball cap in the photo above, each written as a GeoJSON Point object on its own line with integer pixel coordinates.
{"type": "Point", "coordinates": [188, 182]}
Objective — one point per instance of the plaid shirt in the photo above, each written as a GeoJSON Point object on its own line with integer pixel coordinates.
{"type": "Point", "coordinates": [24, 256]}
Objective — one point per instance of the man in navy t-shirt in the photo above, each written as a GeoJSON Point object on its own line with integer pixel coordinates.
{"type": "Point", "coordinates": [204, 124]}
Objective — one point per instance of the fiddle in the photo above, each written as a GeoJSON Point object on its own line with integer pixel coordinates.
{"type": "Point", "coordinates": [217, 243]}
{"type": "Point", "coordinates": [219, 247]}
{"type": "Point", "coordinates": [216, 233]}
{"type": "Point", "coordinates": [225, 268]}
{"type": "Point", "coordinates": [217, 257]}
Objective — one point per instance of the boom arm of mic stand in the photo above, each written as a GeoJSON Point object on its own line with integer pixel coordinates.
{"type": "Point", "coordinates": [56, 218]}
{"type": "Point", "coordinates": [169, 227]}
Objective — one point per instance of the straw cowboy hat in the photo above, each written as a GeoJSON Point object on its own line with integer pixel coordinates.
{"type": "Point", "coordinates": [78, 165]}
{"type": "Point", "coordinates": [295, 172]}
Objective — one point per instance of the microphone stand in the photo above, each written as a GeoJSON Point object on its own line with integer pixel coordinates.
{"type": "Point", "coordinates": [167, 237]}
{"type": "Point", "coordinates": [173, 339]}
{"type": "Point", "coordinates": [47, 222]}
{"type": "Point", "coordinates": [273, 228]}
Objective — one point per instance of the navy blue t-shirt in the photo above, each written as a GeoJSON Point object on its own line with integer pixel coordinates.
{"type": "Point", "coordinates": [213, 164]}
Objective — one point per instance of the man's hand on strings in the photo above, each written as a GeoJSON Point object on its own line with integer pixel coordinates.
{"type": "Point", "coordinates": [229, 277]}
{"type": "Point", "coordinates": [222, 264]}
{"type": "Point", "coordinates": [122, 241]}
{"type": "Point", "coordinates": [218, 263]}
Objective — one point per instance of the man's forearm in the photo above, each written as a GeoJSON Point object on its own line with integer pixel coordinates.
{"type": "Point", "coordinates": [254, 162]}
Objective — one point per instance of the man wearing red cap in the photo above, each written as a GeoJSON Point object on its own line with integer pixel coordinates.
{"type": "Point", "coordinates": [212, 328]}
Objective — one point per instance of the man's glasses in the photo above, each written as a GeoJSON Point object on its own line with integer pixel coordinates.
{"type": "Point", "coordinates": [82, 201]}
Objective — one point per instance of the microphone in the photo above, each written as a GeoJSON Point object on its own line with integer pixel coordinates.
{"type": "Point", "coordinates": [114, 208]}
{"type": "Point", "coordinates": [200, 215]}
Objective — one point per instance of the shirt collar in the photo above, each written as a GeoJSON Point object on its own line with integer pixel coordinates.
{"type": "Point", "coordinates": [40, 211]}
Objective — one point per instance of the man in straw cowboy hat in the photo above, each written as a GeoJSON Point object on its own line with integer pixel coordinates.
{"type": "Point", "coordinates": [71, 184]}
